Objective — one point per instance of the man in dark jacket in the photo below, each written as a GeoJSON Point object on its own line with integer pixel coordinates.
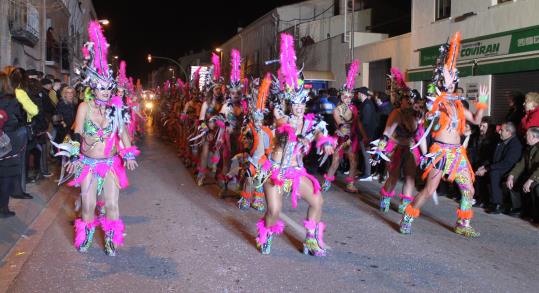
{"type": "Point", "coordinates": [506, 155]}
{"type": "Point", "coordinates": [524, 177]}
{"type": "Point", "coordinates": [368, 122]}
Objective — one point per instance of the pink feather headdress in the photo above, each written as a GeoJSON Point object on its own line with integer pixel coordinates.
{"type": "Point", "coordinates": [351, 77]}
{"type": "Point", "coordinates": [398, 78]}
{"type": "Point", "coordinates": [216, 66]}
{"type": "Point", "coordinates": [289, 70]}
{"type": "Point", "coordinates": [293, 84]}
{"type": "Point", "coordinates": [95, 71]}
{"type": "Point", "coordinates": [196, 78]}
{"type": "Point", "coordinates": [122, 77]}
{"type": "Point", "coordinates": [235, 69]}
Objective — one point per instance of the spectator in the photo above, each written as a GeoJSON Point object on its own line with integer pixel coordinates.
{"type": "Point", "coordinates": [507, 153]}
{"type": "Point", "coordinates": [368, 126]}
{"type": "Point", "coordinates": [531, 119]}
{"type": "Point", "coordinates": [525, 176]}
{"type": "Point", "coordinates": [486, 144]}
{"type": "Point", "coordinates": [65, 113]}
{"type": "Point", "coordinates": [383, 109]}
{"type": "Point", "coordinates": [516, 108]}
{"type": "Point", "coordinates": [19, 81]}
{"type": "Point", "coordinates": [13, 125]}
{"type": "Point", "coordinates": [40, 125]}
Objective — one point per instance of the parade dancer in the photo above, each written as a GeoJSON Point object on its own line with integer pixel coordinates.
{"type": "Point", "coordinates": [294, 135]}
{"type": "Point", "coordinates": [210, 126]}
{"type": "Point", "coordinates": [403, 130]}
{"type": "Point", "coordinates": [257, 137]}
{"type": "Point", "coordinates": [447, 157]}
{"type": "Point", "coordinates": [232, 112]}
{"type": "Point", "coordinates": [189, 116]}
{"type": "Point", "coordinates": [100, 148]}
{"type": "Point", "coordinates": [345, 115]}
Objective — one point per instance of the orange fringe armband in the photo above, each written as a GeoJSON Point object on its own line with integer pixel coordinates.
{"type": "Point", "coordinates": [411, 211]}
{"type": "Point", "coordinates": [245, 194]}
{"type": "Point", "coordinates": [465, 215]}
{"type": "Point", "coordinates": [481, 106]}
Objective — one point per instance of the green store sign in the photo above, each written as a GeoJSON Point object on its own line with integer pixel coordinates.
{"type": "Point", "coordinates": [510, 42]}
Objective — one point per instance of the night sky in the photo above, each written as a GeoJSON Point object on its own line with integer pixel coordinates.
{"type": "Point", "coordinates": [164, 29]}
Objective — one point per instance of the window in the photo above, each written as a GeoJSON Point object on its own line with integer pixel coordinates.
{"type": "Point", "coordinates": [503, 1]}
{"type": "Point", "coordinates": [443, 9]}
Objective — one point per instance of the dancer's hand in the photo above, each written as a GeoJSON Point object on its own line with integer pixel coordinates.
{"type": "Point", "coordinates": [328, 149]}
{"type": "Point", "coordinates": [481, 171]}
{"type": "Point", "coordinates": [483, 94]}
{"type": "Point", "coordinates": [131, 165]}
{"type": "Point", "coordinates": [71, 167]}
{"type": "Point", "coordinates": [510, 182]}
{"type": "Point", "coordinates": [527, 185]}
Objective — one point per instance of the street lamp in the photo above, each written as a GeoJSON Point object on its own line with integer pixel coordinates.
{"type": "Point", "coordinates": [151, 57]}
{"type": "Point", "coordinates": [104, 21]}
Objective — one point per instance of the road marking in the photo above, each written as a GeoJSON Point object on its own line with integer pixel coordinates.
{"type": "Point", "coordinates": [297, 228]}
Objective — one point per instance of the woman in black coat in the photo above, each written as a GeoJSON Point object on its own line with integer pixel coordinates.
{"type": "Point", "coordinates": [10, 164]}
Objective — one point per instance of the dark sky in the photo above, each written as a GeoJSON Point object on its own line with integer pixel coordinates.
{"type": "Point", "coordinates": [164, 28]}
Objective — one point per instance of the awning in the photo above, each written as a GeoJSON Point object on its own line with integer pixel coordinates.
{"type": "Point", "coordinates": [527, 61]}
{"type": "Point", "coordinates": [318, 75]}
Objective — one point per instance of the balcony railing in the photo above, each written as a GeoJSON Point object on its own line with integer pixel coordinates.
{"type": "Point", "coordinates": [24, 22]}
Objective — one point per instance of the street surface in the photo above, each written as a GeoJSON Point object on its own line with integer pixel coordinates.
{"type": "Point", "coordinates": [184, 238]}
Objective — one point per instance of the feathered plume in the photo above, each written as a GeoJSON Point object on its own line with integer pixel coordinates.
{"type": "Point", "coordinates": [245, 86]}
{"type": "Point", "coordinates": [122, 77]}
{"type": "Point", "coordinates": [166, 86]}
{"type": "Point", "coordinates": [235, 69]}
{"type": "Point", "coordinates": [101, 47]}
{"type": "Point", "coordinates": [454, 49]}
{"type": "Point", "coordinates": [179, 83]}
{"type": "Point", "coordinates": [263, 92]}
{"type": "Point", "coordinates": [352, 73]}
{"type": "Point", "coordinates": [289, 70]}
{"type": "Point", "coordinates": [131, 85]}
{"type": "Point", "coordinates": [196, 78]}
{"type": "Point", "coordinates": [85, 52]}
{"type": "Point", "coordinates": [398, 77]}
{"type": "Point", "coordinates": [216, 66]}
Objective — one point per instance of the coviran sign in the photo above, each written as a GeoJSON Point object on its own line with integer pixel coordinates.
{"type": "Point", "coordinates": [493, 45]}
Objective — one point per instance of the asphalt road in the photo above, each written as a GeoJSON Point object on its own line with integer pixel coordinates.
{"type": "Point", "coordinates": [184, 238]}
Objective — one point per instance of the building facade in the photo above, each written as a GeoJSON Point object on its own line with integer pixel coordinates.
{"type": "Point", "coordinates": [45, 35]}
{"type": "Point", "coordinates": [499, 48]}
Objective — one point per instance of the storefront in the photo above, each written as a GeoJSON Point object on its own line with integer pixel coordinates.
{"type": "Point", "coordinates": [506, 61]}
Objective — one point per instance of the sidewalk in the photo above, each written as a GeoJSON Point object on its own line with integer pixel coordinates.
{"type": "Point", "coordinates": [27, 210]}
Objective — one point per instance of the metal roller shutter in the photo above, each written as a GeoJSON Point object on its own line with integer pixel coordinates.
{"type": "Point", "coordinates": [504, 84]}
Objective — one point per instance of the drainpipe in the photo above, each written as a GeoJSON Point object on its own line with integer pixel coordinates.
{"type": "Point", "coordinates": [44, 34]}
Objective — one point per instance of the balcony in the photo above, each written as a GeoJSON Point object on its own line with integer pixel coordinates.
{"type": "Point", "coordinates": [24, 22]}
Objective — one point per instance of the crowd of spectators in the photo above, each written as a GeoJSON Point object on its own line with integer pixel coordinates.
{"type": "Point", "coordinates": [32, 106]}
{"type": "Point", "coordinates": [504, 156]}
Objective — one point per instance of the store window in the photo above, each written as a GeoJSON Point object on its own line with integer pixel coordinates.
{"type": "Point", "coordinates": [443, 9]}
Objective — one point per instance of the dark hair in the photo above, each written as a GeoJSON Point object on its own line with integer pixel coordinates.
{"type": "Point", "coordinates": [34, 87]}
{"type": "Point", "coordinates": [487, 120]}
{"type": "Point", "coordinates": [18, 78]}
{"type": "Point", "coordinates": [57, 80]}
{"type": "Point", "coordinates": [517, 98]}
{"type": "Point", "coordinates": [5, 84]}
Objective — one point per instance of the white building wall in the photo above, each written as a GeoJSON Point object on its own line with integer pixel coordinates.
{"type": "Point", "coordinates": [491, 18]}
{"type": "Point", "coordinates": [333, 55]}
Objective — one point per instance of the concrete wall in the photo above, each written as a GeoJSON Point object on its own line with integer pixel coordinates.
{"type": "Point", "coordinates": [334, 25]}
{"type": "Point", "coordinates": [291, 15]}
{"type": "Point", "coordinates": [333, 55]}
{"type": "Point", "coordinates": [490, 19]}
